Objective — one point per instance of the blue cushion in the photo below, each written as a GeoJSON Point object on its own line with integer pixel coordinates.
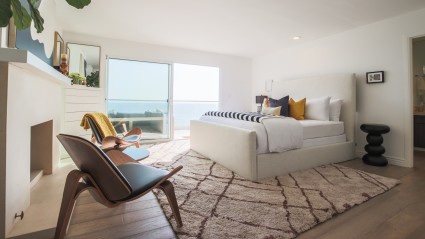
{"type": "Point", "coordinates": [283, 102]}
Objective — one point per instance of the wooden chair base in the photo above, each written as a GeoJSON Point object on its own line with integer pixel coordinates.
{"type": "Point", "coordinates": [73, 188]}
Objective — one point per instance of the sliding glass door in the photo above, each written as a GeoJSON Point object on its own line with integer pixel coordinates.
{"type": "Point", "coordinates": [138, 93]}
{"type": "Point", "coordinates": [195, 91]}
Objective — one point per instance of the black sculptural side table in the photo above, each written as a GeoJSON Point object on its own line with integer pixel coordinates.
{"type": "Point", "coordinates": [374, 148]}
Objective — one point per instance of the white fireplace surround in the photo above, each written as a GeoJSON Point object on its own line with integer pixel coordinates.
{"type": "Point", "coordinates": [31, 92]}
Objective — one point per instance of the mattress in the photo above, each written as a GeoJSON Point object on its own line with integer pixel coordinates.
{"type": "Point", "coordinates": [324, 141]}
{"type": "Point", "coordinates": [319, 129]}
{"type": "Point", "coordinates": [315, 132]}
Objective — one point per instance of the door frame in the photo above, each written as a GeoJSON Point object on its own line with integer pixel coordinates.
{"type": "Point", "coordinates": [170, 92]}
{"type": "Point", "coordinates": [408, 96]}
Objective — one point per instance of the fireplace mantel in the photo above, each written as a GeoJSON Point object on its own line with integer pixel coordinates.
{"type": "Point", "coordinates": [31, 93]}
{"type": "Point", "coordinates": [26, 60]}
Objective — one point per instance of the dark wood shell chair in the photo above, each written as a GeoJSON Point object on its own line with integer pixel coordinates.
{"type": "Point", "coordinates": [109, 183]}
{"type": "Point", "coordinates": [114, 142]}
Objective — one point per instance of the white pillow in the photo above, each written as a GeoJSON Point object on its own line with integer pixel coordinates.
{"type": "Point", "coordinates": [271, 110]}
{"type": "Point", "coordinates": [335, 109]}
{"type": "Point", "coordinates": [317, 108]}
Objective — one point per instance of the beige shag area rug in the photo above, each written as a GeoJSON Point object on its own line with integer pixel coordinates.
{"type": "Point", "coordinates": [217, 203]}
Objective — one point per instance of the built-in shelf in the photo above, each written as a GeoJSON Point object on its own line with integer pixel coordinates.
{"type": "Point", "coordinates": [26, 60]}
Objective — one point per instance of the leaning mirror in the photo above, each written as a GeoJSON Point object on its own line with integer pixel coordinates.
{"type": "Point", "coordinates": [84, 64]}
{"type": "Point", "coordinates": [57, 50]}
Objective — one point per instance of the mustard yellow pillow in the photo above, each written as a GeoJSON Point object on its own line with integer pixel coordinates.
{"type": "Point", "coordinates": [297, 109]}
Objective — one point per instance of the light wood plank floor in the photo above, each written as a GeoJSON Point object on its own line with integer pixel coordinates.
{"type": "Point", "coordinates": [399, 213]}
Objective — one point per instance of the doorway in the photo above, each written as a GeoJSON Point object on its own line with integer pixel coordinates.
{"type": "Point", "coordinates": [418, 95]}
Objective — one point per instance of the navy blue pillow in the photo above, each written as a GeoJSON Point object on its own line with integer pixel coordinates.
{"type": "Point", "coordinates": [283, 102]}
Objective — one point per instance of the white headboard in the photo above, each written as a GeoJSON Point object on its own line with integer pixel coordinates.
{"type": "Point", "coordinates": [342, 86]}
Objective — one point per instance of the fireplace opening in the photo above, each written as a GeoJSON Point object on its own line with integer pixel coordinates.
{"type": "Point", "coordinates": [41, 151]}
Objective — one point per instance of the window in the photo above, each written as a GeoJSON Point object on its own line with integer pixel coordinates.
{"type": "Point", "coordinates": [195, 91]}
{"type": "Point", "coordinates": [139, 92]}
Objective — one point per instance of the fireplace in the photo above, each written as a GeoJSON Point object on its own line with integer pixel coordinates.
{"type": "Point", "coordinates": [31, 113]}
{"type": "Point", "coordinates": [41, 157]}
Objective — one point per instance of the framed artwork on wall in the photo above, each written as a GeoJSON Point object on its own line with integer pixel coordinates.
{"type": "Point", "coordinates": [375, 77]}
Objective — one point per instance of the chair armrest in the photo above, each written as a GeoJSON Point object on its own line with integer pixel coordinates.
{"type": "Point", "coordinates": [113, 142]}
{"type": "Point", "coordinates": [109, 142]}
{"type": "Point", "coordinates": [123, 124]}
{"type": "Point", "coordinates": [134, 131]}
{"type": "Point", "coordinates": [118, 157]}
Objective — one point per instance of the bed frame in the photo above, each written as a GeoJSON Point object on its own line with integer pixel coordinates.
{"type": "Point", "coordinates": [235, 148]}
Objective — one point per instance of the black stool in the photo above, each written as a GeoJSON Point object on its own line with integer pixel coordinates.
{"type": "Point", "coordinates": [374, 148]}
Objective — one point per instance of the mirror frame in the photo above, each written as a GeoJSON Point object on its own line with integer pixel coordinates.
{"type": "Point", "coordinates": [69, 53]}
{"type": "Point", "coordinates": [56, 54]}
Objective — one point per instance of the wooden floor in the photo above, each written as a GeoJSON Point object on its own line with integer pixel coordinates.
{"type": "Point", "coordinates": [399, 213]}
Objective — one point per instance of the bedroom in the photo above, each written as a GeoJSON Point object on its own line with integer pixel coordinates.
{"type": "Point", "coordinates": [262, 51]}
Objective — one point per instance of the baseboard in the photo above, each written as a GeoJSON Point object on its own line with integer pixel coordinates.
{"type": "Point", "coordinates": [47, 233]}
{"type": "Point", "coordinates": [391, 159]}
{"type": "Point", "coordinates": [419, 149]}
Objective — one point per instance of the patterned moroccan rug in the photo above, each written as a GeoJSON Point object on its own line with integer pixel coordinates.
{"type": "Point", "coordinates": [217, 203]}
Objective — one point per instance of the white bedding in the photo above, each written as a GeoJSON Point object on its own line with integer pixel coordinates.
{"type": "Point", "coordinates": [318, 128]}
{"type": "Point", "coordinates": [275, 134]}
{"type": "Point", "coordinates": [280, 134]}
{"type": "Point", "coordinates": [324, 141]}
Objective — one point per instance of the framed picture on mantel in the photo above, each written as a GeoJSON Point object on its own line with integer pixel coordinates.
{"type": "Point", "coordinates": [375, 77]}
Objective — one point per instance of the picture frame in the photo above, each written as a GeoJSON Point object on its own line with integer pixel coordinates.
{"type": "Point", "coordinates": [375, 77]}
{"type": "Point", "coordinates": [58, 48]}
{"type": "Point", "coordinates": [11, 38]}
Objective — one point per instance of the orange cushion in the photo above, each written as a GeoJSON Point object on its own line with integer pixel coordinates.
{"type": "Point", "coordinates": [266, 102]}
{"type": "Point", "coordinates": [297, 109]}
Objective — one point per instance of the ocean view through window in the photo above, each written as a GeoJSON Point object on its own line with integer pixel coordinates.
{"type": "Point", "coordinates": [195, 91]}
{"type": "Point", "coordinates": [138, 94]}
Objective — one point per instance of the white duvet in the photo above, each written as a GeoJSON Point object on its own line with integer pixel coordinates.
{"type": "Point", "coordinates": [274, 134]}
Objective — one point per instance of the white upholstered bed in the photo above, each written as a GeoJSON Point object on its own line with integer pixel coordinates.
{"type": "Point", "coordinates": [236, 148]}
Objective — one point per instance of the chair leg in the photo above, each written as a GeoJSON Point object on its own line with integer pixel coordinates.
{"type": "Point", "coordinates": [168, 188]}
{"type": "Point", "coordinates": [70, 193]}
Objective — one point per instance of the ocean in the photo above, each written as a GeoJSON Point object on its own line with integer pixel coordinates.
{"type": "Point", "coordinates": [183, 111]}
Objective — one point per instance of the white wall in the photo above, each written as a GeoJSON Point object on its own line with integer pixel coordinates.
{"type": "Point", "coordinates": [379, 46]}
{"type": "Point", "coordinates": [235, 72]}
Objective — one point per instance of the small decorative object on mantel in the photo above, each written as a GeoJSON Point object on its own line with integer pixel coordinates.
{"type": "Point", "coordinates": [375, 77]}
{"type": "Point", "coordinates": [64, 64]}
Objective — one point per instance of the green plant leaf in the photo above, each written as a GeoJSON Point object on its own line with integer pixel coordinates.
{"type": "Point", "coordinates": [5, 12]}
{"type": "Point", "coordinates": [35, 3]}
{"type": "Point", "coordinates": [21, 17]}
{"type": "Point", "coordinates": [79, 3]}
{"type": "Point", "coordinates": [35, 15]}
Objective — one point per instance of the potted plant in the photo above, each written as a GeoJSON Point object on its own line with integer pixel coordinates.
{"type": "Point", "coordinates": [77, 79]}
{"type": "Point", "coordinates": [21, 17]}
{"type": "Point", "coordinates": [93, 79]}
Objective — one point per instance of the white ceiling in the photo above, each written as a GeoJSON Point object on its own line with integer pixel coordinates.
{"type": "Point", "coordinates": [235, 27]}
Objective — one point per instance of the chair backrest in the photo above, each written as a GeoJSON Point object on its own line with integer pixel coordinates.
{"type": "Point", "coordinates": [92, 160]}
{"type": "Point", "coordinates": [95, 131]}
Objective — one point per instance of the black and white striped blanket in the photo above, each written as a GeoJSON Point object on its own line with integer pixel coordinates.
{"type": "Point", "coordinates": [253, 117]}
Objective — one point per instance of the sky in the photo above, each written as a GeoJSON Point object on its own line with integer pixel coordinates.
{"type": "Point", "coordinates": [137, 80]}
